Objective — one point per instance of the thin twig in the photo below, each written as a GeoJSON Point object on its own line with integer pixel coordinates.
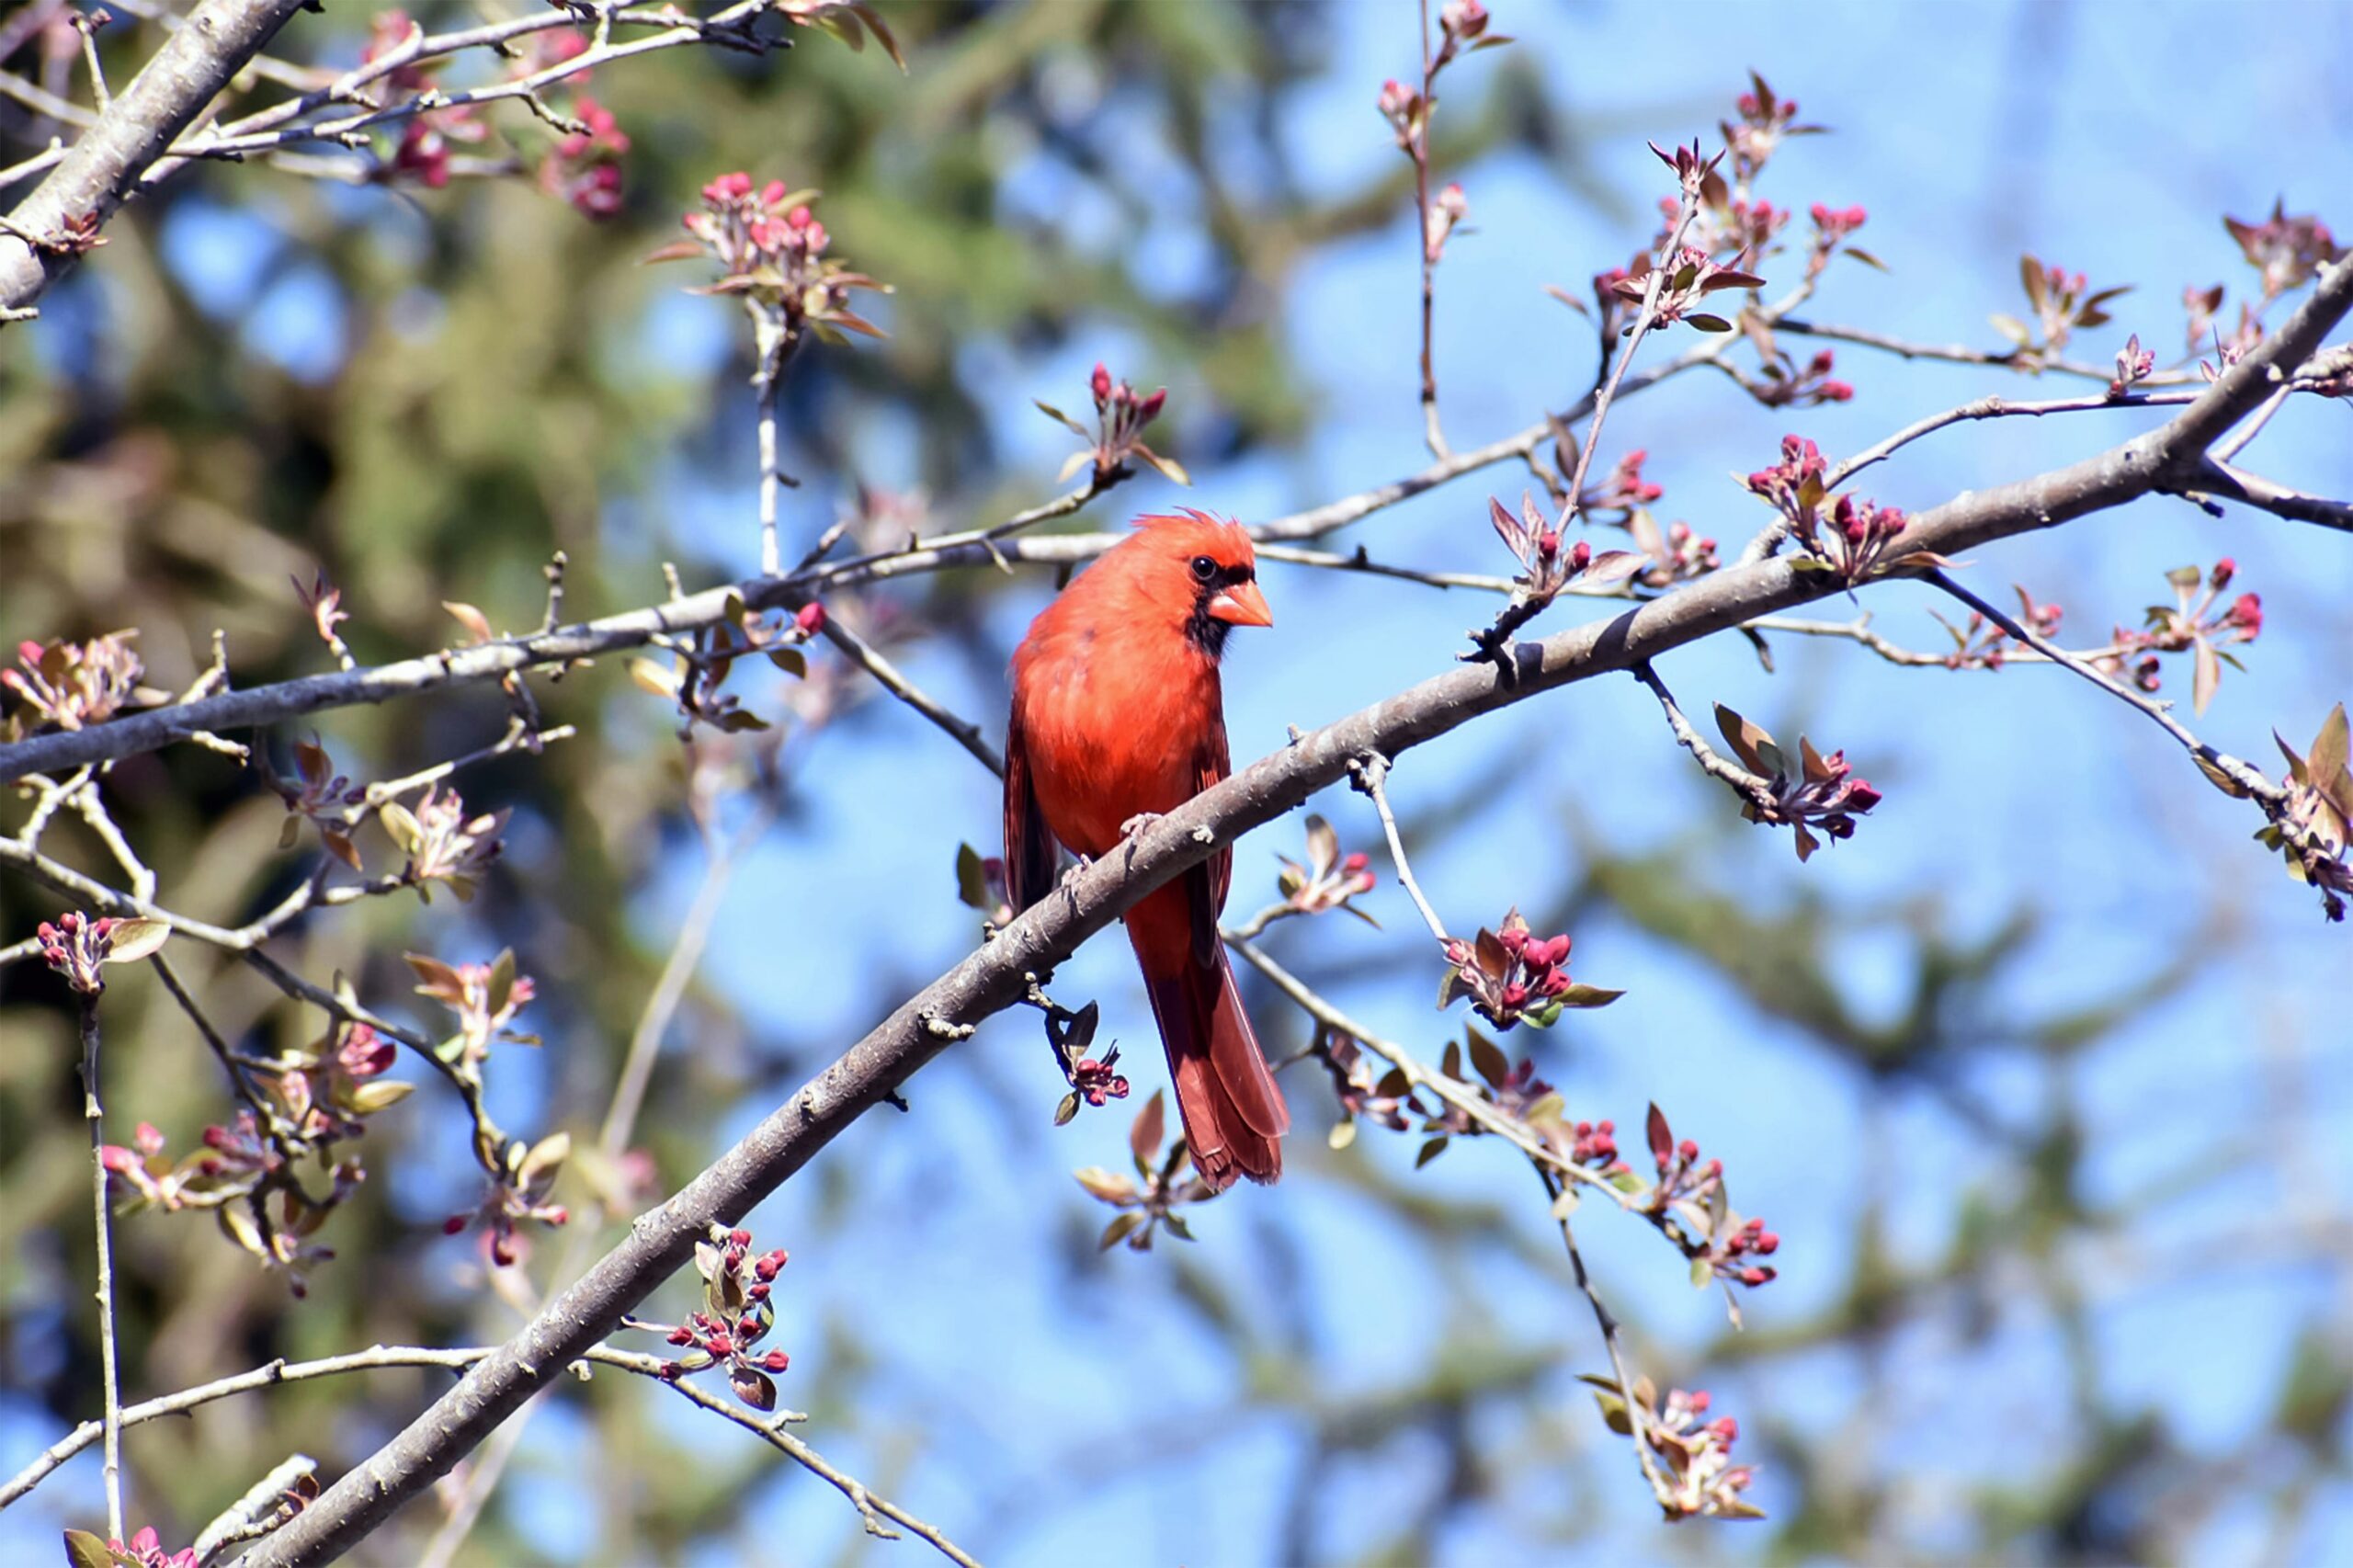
{"type": "Point", "coordinates": [963, 730]}
{"type": "Point", "coordinates": [1369, 773]}
{"type": "Point", "coordinates": [1960, 354]}
{"type": "Point", "coordinates": [1744, 783]}
{"type": "Point", "coordinates": [1992, 408]}
{"type": "Point", "coordinates": [774, 347]}
{"type": "Point", "coordinates": [1638, 1413]}
{"type": "Point", "coordinates": [1418, 149]}
{"type": "Point", "coordinates": [96, 1115]}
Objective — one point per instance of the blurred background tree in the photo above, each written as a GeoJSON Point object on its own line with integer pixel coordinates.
{"type": "Point", "coordinates": [2044, 1081]}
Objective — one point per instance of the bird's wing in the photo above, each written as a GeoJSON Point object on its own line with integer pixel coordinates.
{"type": "Point", "coordinates": [1028, 842]}
{"type": "Point", "coordinates": [1206, 885]}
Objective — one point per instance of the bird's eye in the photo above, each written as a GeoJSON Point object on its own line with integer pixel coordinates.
{"type": "Point", "coordinates": [1204, 567]}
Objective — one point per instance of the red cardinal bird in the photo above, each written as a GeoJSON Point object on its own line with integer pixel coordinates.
{"type": "Point", "coordinates": [1118, 715]}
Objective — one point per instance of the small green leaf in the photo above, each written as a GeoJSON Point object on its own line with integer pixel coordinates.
{"type": "Point", "coordinates": [84, 1549]}
{"type": "Point", "coordinates": [1118, 1229]}
{"type": "Point", "coordinates": [1149, 1126]}
{"type": "Point", "coordinates": [1487, 1057]}
{"type": "Point", "coordinates": [972, 878]}
{"type": "Point", "coordinates": [502, 981]}
{"type": "Point", "coordinates": [378, 1093]}
{"type": "Point", "coordinates": [135, 940]}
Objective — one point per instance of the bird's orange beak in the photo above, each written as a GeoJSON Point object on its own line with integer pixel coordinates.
{"type": "Point", "coordinates": [1240, 605]}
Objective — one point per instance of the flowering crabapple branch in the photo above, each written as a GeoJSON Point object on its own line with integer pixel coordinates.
{"type": "Point", "coordinates": [1686, 1204]}
{"type": "Point", "coordinates": [997, 976]}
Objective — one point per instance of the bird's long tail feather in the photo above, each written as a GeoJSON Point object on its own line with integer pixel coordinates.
{"type": "Point", "coordinates": [1234, 1113]}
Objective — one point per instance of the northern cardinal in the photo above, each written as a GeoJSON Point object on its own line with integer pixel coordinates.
{"type": "Point", "coordinates": [1117, 715]}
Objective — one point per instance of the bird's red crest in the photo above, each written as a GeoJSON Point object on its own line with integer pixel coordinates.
{"type": "Point", "coordinates": [1221, 537]}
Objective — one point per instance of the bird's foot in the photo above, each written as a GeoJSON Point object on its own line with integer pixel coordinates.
{"type": "Point", "coordinates": [1137, 824]}
{"type": "Point", "coordinates": [1077, 868]}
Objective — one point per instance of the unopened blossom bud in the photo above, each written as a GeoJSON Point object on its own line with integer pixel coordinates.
{"type": "Point", "coordinates": [1688, 1149]}
{"type": "Point", "coordinates": [810, 619]}
{"type": "Point", "coordinates": [1149, 409]}
{"type": "Point", "coordinates": [2246, 614]}
{"type": "Point", "coordinates": [1861, 796]}
{"type": "Point", "coordinates": [1581, 556]}
{"type": "Point", "coordinates": [1463, 18]}
{"type": "Point", "coordinates": [1515, 994]}
{"type": "Point", "coordinates": [776, 1361]}
{"type": "Point", "coordinates": [2224, 570]}
{"type": "Point", "coordinates": [1513, 939]}
{"type": "Point", "coordinates": [1101, 382]}
{"type": "Point", "coordinates": [1394, 99]}
{"type": "Point", "coordinates": [800, 217]}
{"type": "Point", "coordinates": [450, 1227]}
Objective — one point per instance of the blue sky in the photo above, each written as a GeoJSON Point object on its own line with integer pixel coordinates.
{"type": "Point", "coordinates": [2106, 138]}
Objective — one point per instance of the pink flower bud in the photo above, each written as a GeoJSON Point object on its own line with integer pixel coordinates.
{"type": "Point", "coordinates": [776, 1361]}
{"type": "Point", "coordinates": [450, 1227]}
{"type": "Point", "coordinates": [1580, 557]}
{"type": "Point", "coordinates": [800, 217]}
{"type": "Point", "coordinates": [117, 1158]}
{"type": "Point", "coordinates": [810, 619]}
{"type": "Point", "coordinates": [2246, 614]}
{"type": "Point", "coordinates": [1101, 381]}
{"type": "Point", "coordinates": [1148, 410]}
{"type": "Point", "coordinates": [1688, 1149]}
